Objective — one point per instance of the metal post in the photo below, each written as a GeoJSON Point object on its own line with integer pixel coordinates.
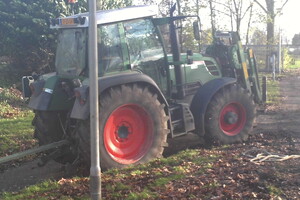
{"type": "Point", "coordinates": [279, 53]}
{"type": "Point", "coordinates": [264, 89]}
{"type": "Point", "coordinates": [95, 171]}
{"type": "Point", "coordinates": [273, 66]}
{"type": "Point", "coordinates": [280, 41]}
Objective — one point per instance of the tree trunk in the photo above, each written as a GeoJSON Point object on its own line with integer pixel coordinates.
{"type": "Point", "coordinates": [180, 26]}
{"type": "Point", "coordinates": [212, 18]}
{"type": "Point", "coordinates": [270, 22]}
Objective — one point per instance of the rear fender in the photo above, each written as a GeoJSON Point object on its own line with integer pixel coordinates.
{"type": "Point", "coordinates": [41, 98]}
{"type": "Point", "coordinates": [202, 99]}
{"type": "Point", "coordinates": [82, 110]}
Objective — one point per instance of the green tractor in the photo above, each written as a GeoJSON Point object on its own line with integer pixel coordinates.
{"type": "Point", "coordinates": [149, 90]}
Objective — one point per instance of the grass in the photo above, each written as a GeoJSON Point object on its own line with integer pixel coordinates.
{"type": "Point", "coordinates": [273, 93]}
{"type": "Point", "coordinates": [16, 131]}
{"type": "Point", "coordinates": [145, 194]}
{"type": "Point", "coordinates": [294, 65]}
{"type": "Point", "coordinates": [274, 191]}
{"type": "Point", "coordinates": [16, 134]}
{"type": "Point", "coordinates": [30, 192]}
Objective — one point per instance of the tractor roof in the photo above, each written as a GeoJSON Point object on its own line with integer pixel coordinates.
{"type": "Point", "coordinates": [105, 16]}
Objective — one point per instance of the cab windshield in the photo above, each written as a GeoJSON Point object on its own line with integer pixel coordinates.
{"type": "Point", "coordinates": [71, 52]}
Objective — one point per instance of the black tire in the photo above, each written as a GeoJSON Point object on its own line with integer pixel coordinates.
{"type": "Point", "coordinates": [123, 111]}
{"type": "Point", "coordinates": [48, 130]}
{"type": "Point", "coordinates": [230, 115]}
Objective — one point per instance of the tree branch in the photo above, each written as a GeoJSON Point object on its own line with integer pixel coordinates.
{"type": "Point", "coordinates": [284, 4]}
{"type": "Point", "coordinates": [250, 6]}
{"type": "Point", "coordinates": [261, 6]}
{"type": "Point", "coordinates": [222, 4]}
{"type": "Point", "coordinates": [224, 13]}
{"type": "Point", "coordinates": [280, 9]}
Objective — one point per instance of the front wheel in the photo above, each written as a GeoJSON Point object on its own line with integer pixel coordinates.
{"type": "Point", "coordinates": [132, 127]}
{"type": "Point", "coordinates": [230, 115]}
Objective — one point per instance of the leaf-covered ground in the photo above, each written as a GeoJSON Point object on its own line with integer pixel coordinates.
{"type": "Point", "coordinates": [226, 172]}
{"type": "Point", "coordinates": [218, 173]}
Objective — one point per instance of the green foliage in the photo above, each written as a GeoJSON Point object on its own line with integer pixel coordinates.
{"type": "Point", "coordinates": [287, 59]}
{"type": "Point", "coordinates": [206, 37]}
{"type": "Point", "coordinates": [259, 37]}
{"type": "Point", "coordinates": [296, 39]}
{"type": "Point", "coordinates": [25, 36]}
{"type": "Point", "coordinates": [110, 4]}
{"type": "Point", "coordinates": [6, 77]}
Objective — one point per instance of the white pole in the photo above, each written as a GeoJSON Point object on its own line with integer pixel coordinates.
{"type": "Point", "coordinates": [273, 66]}
{"type": "Point", "coordinates": [279, 42]}
{"type": "Point", "coordinates": [279, 52]}
{"type": "Point", "coordinates": [95, 170]}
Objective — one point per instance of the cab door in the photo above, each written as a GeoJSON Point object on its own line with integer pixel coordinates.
{"type": "Point", "coordinates": [146, 53]}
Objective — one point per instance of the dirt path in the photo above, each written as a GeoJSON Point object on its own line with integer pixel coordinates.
{"type": "Point", "coordinates": [29, 173]}
{"type": "Point", "coordinates": [283, 120]}
{"type": "Point", "coordinates": [277, 131]}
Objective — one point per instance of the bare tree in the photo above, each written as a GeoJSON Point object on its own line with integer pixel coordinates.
{"type": "Point", "coordinates": [269, 10]}
{"type": "Point", "coordinates": [236, 10]}
{"type": "Point", "coordinates": [249, 24]}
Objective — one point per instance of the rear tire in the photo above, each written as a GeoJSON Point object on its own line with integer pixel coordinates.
{"type": "Point", "coordinates": [230, 115]}
{"type": "Point", "coordinates": [132, 128]}
{"type": "Point", "coordinates": [48, 130]}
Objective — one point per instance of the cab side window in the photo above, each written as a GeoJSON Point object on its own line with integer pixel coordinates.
{"type": "Point", "coordinates": [143, 43]}
{"type": "Point", "coordinates": [110, 55]}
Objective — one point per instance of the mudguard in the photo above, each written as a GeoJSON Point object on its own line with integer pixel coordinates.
{"type": "Point", "coordinates": [39, 99]}
{"type": "Point", "coordinates": [202, 99]}
{"type": "Point", "coordinates": [43, 91]}
{"type": "Point", "coordinates": [49, 95]}
{"type": "Point", "coordinates": [81, 111]}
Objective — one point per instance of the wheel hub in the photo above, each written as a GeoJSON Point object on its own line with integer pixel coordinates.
{"type": "Point", "coordinates": [231, 118]}
{"type": "Point", "coordinates": [123, 132]}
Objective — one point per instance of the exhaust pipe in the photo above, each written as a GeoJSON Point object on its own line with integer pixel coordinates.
{"type": "Point", "coordinates": [176, 56]}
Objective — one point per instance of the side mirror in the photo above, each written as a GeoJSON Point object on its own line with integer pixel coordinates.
{"type": "Point", "coordinates": [26, 90]}
{"type": "Point", "coordinates": [196, 28]}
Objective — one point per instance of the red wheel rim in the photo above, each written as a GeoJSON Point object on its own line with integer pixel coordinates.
{"type": "Point", "coordinates": [232, 119]}
{"type": "Point", "coordinates": [128, 133]}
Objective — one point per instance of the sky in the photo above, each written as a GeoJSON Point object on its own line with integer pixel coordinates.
{"type": "Point", "coordinates": [289, 21]}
